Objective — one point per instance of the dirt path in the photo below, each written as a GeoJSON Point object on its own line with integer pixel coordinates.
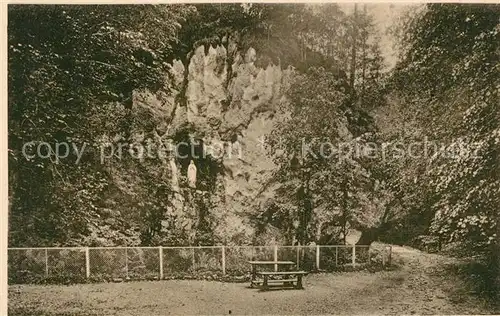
{"type": "Point", "coordinates": [420, 286]}
{"type": "Point", "coordinates": [423, 286]}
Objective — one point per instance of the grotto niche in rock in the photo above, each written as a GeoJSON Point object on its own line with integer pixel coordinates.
{"type": "Point", "coordinates": [189, 149]}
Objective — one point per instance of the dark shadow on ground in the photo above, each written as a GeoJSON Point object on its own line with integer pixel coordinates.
{"type": "Point", "coordinates": [478, 279]}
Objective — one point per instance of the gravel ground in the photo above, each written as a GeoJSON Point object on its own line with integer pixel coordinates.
{"type": "Point", "coordinates": [418, 287]}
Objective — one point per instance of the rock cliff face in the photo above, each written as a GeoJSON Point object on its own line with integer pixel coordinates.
{"type": "Point", "coordinates": [230, 118]}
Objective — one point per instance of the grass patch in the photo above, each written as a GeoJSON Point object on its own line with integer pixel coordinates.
{"type": "Point", "coordinates": [479, 281]}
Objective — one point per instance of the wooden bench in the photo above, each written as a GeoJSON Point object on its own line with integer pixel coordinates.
{"type": "Point", "coordinates": [276, 265]}
{"type": "Point", "coordinates": [292, 276]}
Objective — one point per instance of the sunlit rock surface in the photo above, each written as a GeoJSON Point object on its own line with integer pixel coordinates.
{"type": "Point", "coordinates": [232, 116]}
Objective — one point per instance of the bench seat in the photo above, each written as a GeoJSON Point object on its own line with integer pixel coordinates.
{"type": "Point", "coordinates": [282, 273]}
{"type": "Point", "coordinates": [275, 281]}
{"type": "Point", "coordinates": [292, 277]}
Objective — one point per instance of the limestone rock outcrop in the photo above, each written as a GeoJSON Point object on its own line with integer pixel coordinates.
{"type": "Point", "coordinates": [231, 116]}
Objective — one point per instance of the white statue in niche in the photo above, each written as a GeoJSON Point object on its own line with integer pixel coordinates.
{"type": "Point", "coordinates": [191, 175]}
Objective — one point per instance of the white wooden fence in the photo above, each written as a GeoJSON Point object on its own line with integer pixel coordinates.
{"type": "Point", "coordinates": [28, 265]}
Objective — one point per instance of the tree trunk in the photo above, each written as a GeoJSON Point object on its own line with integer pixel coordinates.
{"type": "Point", "coordinates": [305, 205]}
{"type": "Point", "coordinates": [345, 205]}
{"type": "Point", "coordinates": [496, 242]}
{"type": "Point", "coordinates": [363, 61]}
{"type": "Point", "coordinates": [368, 236]}
{"type": "Point", "coordinates": [353, 48]}
{"type": "Point", "coordinates": [495, 252]}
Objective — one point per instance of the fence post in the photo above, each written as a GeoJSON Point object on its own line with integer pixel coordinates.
{"type": "Point", "coordinates": [46, 263]}
{"type": "Point", "coordinates": [317, 257]}
{"type": "Point", "coordinates": [297, 257]}
{"type": "Point", "coordinates": [126, 263]}
{"type": "Point", "coordinates": [223, 260]}
{"type": "Point", "coordinates": [87, 263]}
{"type": "Point", "coordinates": [275, 257]}
{"type": "Point", "coordinates": [336, 256]}
{"type": "Point", "coordinates": [160, 253]}
{"type": "Point", "coordinates": [390, 256]}
{"type": "Point", "coordinates": [193, 262]}
{"type": "Point", "coordinates": [353, 255]}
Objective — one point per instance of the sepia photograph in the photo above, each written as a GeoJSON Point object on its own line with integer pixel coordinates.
{"type": "Point", "coordinates": [327, 158]}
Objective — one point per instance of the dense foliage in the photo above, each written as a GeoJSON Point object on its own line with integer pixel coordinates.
{"type": "Point", "coordinates": [73, 72]}
{"type": "Point", "coordinates": [328, 184]}
{"type": "Point", "coordinates": [453, 90]}
{"type": "Point", "coordinates": [457, 106]}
